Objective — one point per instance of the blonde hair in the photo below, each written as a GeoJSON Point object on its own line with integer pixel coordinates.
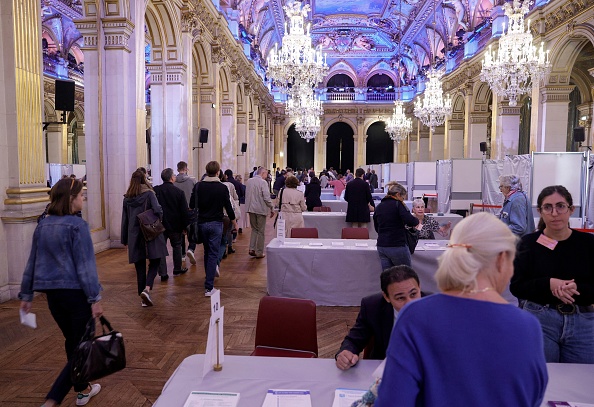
{"type": "Point", "coordinates": [394, 188]}
{"type": "Point", "coordinates": [477, 241]}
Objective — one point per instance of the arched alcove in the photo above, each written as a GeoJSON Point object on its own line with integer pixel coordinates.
{"type": "Point", "coordinates": [340, 147]}
{"type": "Point", "coordinates": [380, 147]}
{"type": "Point", "coordinates": [300, 153]}
{"type": "Point", "coordinates": [341, 83]}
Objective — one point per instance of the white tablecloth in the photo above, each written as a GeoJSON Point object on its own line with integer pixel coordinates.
{"type": "Point", "coordinates": [330, 224]}
{"type": "Point", "coordinates": [252, 376]}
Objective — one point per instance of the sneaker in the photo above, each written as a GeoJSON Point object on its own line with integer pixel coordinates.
{"type": "Point", "coordinates": [190, 255]}
{"type": "Point", "coordinates": [143, 304]}
{"type": "Point", "coordinates": [260, 256]}
{"type": "Point", "coordinates": [146, 299]}
{"type": "Point", "coordinates": [83, 398]}
{"type": "Point", "coordinates": [218, 272]}
{"type": "Point", "coordinates": [231, 250]}
{"type": "Point", "coordinates": [209, 293]}
{"type": "Point", "coordinates": [164, 278]}
{"type": "Point", "coordinates": [180, 272]}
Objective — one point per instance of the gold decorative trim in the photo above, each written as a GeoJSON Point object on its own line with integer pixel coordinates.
{"type": "Point", "coordinates": [21, 220]}
{"type": "Point", "coordinates": [25, 201]}
{"type": "Point", "coordinates": [13, 191]}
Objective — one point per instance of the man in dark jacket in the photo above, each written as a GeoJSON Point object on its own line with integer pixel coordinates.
{"type": "Point", "coordinates": [175, 220]}
{"type": "Point", "coordinates": [359, 199]}
{"type": "Point", "coordinates": [373, 179]}
{"type": "Point", "coordinates": [211, 196]}
{"type": "Point", "coordinates": [279, 182]}
{"type": "Point", "coordinates": [400, 285]}
{"type": "Point", "coordinates": [186, 183]}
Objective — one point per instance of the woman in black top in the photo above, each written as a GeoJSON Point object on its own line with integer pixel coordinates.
{"type": "Point", "coordinates": [313, 191]}
{"type": "Point", "coordinates": [389, 219]}
{"type": "Point", "coordinates": [554, 280]}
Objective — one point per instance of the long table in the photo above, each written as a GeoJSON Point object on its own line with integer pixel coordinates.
{"type": "Point", "coordinates": [330, 224]}
{"type": "Point", "coordinates": [339, 272]}
{"type": "Point", "coordinates": [252, 376]}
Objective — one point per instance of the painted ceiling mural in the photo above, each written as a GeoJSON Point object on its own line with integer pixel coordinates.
{"type": "Point", "coordinates": [360, 37]}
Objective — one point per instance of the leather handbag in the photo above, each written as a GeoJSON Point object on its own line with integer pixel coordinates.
{"type": "Point", "coordinates": [150, 224]}
{"type": "Point", "coordinates": [412, 238]}
{"type": "Point", "coordinates": [97, 356]}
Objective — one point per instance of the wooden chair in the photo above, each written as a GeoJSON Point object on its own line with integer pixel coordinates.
{"type": "Point", "coordinates": [322, 209]}
{"type": "Point", "coordinates": [286, 327]}
{"type": "Point", "coordinates": [304, 233]}
{"type": "Point", "coordinates": [354, 233]}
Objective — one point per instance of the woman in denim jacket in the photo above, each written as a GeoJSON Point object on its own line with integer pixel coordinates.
{"type": "Point", "coordinates": [62, 265]}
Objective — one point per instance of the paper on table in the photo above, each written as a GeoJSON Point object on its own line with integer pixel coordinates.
{"type": "Point", "coordinates": [316, 244]}
{"type": "Point", "coordinates": [211, 399]}
{"type": "Point", "coordinates": [346, 397]}
{"type": "Point", "coordinates": [337, 243]}
{"type": "Point", "coordinates": [433, 246]}
{"type": "Point", "coordinates": [361, 245]}
{"type": "Point", "coordinates": [29, 319]}
{"type": "Point", "coordinates": [288, 243]}
{"type": "Point", "coordinates": [568, 404]}
{"type": "Point", "coordinates": [287, 398]}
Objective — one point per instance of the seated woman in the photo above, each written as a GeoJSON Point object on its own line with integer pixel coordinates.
{"type": "Point", "coordinates": [313, 191]}
{"type": "Point", "coordinates": [427, 225]}
{"type": "Point", "coordinates": [467, 346]}
{"type": "Point", "coordinates": [554, 280]}
{"type": "Point", "coordinates": [291, 205]}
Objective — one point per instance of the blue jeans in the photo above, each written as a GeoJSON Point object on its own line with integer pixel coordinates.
{"type": "Point", "coordinates": [211, 233]}
{"type": "Point", "coordinates": [567, 338]}
{"type": "Point", "coordinates": [394, 256]}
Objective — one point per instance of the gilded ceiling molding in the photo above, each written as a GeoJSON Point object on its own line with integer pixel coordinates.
{"type": "Point", "coordinates": [566, 13]}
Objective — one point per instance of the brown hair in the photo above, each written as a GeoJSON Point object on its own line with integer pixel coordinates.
{"type": "Point", "coordinates": [134, 189]}
{"type": "Point", "coordinates": [291, 182]}
{"type": "Point", "coordinates": [212, 168]}
{"type": "Point", "coordinates": [550, 190]}
{"type": "Point", "coordinates": [61, 196]}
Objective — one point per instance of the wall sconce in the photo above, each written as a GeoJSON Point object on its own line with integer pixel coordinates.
{"type": "Point", "coordinates": [281, 154]}
{"type": "Point", "coordinates": [213, 105]}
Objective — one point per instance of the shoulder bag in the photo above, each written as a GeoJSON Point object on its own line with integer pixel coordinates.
{"type": "Point", "coordinates": [97, 356]}
{"type": "Point", "coordinates": [150, 224]}
{"type": "Point", "coordinates": [411, 236]}
{"type": "Point", "coordinates": [193, 229]}
{"type": "Point", "coordinates": [280, 205]}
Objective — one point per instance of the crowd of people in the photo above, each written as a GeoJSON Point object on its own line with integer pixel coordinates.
{"type": "Point", "coordinates": [465, 345]}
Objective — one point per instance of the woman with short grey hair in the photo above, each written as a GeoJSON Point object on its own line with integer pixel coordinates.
{"type": "Point", "coordinates": [427, 224]}
{"type": "Point", "coordinates": [516, 212]}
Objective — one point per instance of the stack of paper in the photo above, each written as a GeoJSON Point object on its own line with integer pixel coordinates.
{"type": "Point", "coordinates": [346, 397]}
{"type": "Point", "coordinates": [211, 399]}
{"type": "Point", "coordinates": [287, 398]}
{"type": "Point", "coordinates": [568, 404]}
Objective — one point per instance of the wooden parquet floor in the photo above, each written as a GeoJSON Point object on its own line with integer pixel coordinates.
{"type": "Point", "coordinates": [157, 338]}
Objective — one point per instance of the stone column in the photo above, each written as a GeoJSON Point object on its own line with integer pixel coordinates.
{"type": "Point", "coordinates": [423, 144]}
{"type": "Point", "coordinates": [324, 148]}
{"type": "Point", "coordinates": [552, 118]}
{"type": "Point", "coordinates": [454, 139]}
{"type": "Point", "coordinates": [360, 142]}
{"type": "Point", "coordinates": [195, 165]}
{"type": "Point", "coordinates": [22, 154]}
{"type": "Point", "coordinates": [208, 120]}
{"type": "Point", "coordinates": [252, 144]}
{"type": "Point", "coordinates": [57, 144]}
{"type": "Point", "coordinates": [505, 132]}
{"type": "Point", "coordinates": [228, 136]}
{"type": "Point", "coordinates": [80, 135]}
{"type": "Point", "coordinates": [242, 129]}
{"type": "Point", "coordinates": [436, 143]}
{"type": "Point", "coordinates": [585, 121]}
{"type": "Point", "coordinates": [477, 133]}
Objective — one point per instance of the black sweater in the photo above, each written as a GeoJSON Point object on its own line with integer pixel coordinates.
{"type": "Point", "coordinates": [210, 197]}
{"type": "Point", "coordinates": [389, 219]}
{"type": "Point", "coordinates": [535, 265]}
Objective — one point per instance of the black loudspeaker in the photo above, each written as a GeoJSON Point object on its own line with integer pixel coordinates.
{"type": "Point", "coordinates": [579, 135]}
{"type": "Point", "coordinates": [243, 147]}
{"type": "Point", "coordinates": [273, 165]}
{"type": "Point", "coordinates": [65, 95]}
{"type": "Point", "coordinates": [483, 146]}
{"type": "Point", "coordinates": [203, 136]}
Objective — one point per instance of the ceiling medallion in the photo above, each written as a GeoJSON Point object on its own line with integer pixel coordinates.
{"type": "Point", "coordinates": [517, 65]}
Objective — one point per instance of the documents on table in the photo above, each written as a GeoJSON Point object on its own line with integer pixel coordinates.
{"type": "Point", "coordinates": [316, 244]}
{"type": "Point", "coordinates": [212, 399]}
{"type": "Point", "coordinates": [433, 246]}
{"type": "Point", "coordinates": [337, 243]}
{"type": "Point", "coordinates": [290, 243]}
{"type": "Point", "coordinates": [287, 398]}
{"type": "Point", "coordinates": [361, 245]}
{"type": "Point", "coordinates": [346, 397]}
{"type": "Point", "coordinates": [568, 404]}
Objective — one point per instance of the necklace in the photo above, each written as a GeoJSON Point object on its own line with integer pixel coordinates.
{"type": "Point", "coordinates": [479, 291]}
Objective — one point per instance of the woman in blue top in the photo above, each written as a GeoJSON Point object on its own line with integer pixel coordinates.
{"type": "Point", "coordinates": [467, 346]}
{"type": "Point", "coordinates": [62, 265]}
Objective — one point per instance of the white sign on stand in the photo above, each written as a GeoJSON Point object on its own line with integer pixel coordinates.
{"type": "Point", "coordinates": [280, 228]}
{"type": "Point", "coordinates": [215, 302]}
{"type": "Point", "coordinates": [214, 355]}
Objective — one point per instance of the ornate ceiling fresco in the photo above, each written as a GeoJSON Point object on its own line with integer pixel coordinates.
{"type": "Point", "coordinates": [362, 36]}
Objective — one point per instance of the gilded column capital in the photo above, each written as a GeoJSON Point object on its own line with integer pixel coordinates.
{"type": "Point", "coordinates": [189, 21]}
{"type": "Point", "coordinates": [117, 33]}
{"type": "Point", "coordinates": [217, 54]}
{"type": "Point", "coordinates": [556, 93]}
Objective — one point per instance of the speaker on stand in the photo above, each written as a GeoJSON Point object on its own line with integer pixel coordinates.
{"type": "Point", "coordinates": [243, 149]}
{"type": "Point", "coordinates": [202, 138]}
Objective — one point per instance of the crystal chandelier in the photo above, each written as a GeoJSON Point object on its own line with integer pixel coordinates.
{"type": "Point", "coordinates": [517, 64]}
{"type": "Point", "coordinates": [399, 126]}
{"type": "Point", "coordinates": [308, 126]}
{"type": "Point", "coordinates": [297, 62]}
{"type": "Point", "coordinates": [306, 109]}
{"type": "Point", "coordinates": [432, 108]}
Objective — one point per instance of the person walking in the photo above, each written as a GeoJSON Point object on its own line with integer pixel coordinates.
{"type": "Point", "coordinates": [359, 199]}
{"type": "Point", "coordinates": [138, 198]}
{"type": "Point", "coordinates": [186, 183]}
{"type": "Point", "coordinates": [258, 205]}
{"type": "Point", "coordinates": [175, 220]}
{"type": "Point", "coordinates": [62, 265]}
{"type": "Point", "coordinates": [210, 197]}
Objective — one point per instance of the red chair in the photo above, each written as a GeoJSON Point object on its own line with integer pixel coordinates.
{"type": "Point", "coordinates": [322, 209]}
{"type": "Point", "coordinates": [354, 233]}
{"type": "Point", "coordinates": [286, 327]}
{"type": "Point", "coordinates": [304, 233]}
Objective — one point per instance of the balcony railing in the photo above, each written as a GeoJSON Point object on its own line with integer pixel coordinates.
{"type": "Point", "coordinates": [340, 96]}
{"type": "Point", "coordinates": [381, 96]}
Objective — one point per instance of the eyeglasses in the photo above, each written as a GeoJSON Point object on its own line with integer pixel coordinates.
{"type": "Point", "coordinates": [560, 207]}
{"type": "Point", "coordinates": [502, 186]}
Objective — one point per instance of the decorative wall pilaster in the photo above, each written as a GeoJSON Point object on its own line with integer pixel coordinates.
{"type": "Point", "coordinates": [505, 133]}
{"type": "Point", "coordinates": [552, 117]}
{"type": "Point", "coordinates": [477, 133]}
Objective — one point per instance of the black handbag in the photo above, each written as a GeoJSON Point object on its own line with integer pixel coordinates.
{"type": "Point", "coordinates": [193, 229]}
{"type": "Point", "coordinates": [97, 356]}
{"type": "Point", "coordinates": [412, 238]}
{"type": "Point", "coordinates": [150, 224]}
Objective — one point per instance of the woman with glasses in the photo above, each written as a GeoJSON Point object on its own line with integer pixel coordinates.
{"type": "Point", "coordinates": [554, 280]}
{"type": "Point", "coordinates": [517, 210]}
{"type": "Point", "coordinates": [62, 265]}
{"type": "Point", "coordinates": [427, 225]}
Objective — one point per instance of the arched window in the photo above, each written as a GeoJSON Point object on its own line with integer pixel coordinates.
{"type": "Point", "coordinates": [380, 83]}
{"type": "Point", "coordinates": [341, 83]}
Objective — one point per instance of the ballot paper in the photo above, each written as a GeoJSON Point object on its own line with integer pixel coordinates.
{"type": "Point", "coordinates": [211, 399]}
{"type": "Point", "coordinates": [29, 319]}
{"type": "Point", "coordinates": [568, 404]}
{"type": "Point", "coordinates": [346, 397]}
{"type": "Point", "coordinates": [287, 398]}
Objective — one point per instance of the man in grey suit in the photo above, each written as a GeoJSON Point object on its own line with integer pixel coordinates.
{"type": "Point", "coordinates": [258, 205]}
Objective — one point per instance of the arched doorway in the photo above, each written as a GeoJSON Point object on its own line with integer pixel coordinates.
{"type": "Point", "coordinates": [380, 147]}
{"type": "Point", "coordinates": [340, 148]}
{"type": "Point", "coordinates": [300, 153]}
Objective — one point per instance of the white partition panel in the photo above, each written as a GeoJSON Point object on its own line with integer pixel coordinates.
{"type": "Point", "coordinates": [398, 173]}
{"type": "Point", "coordinates": [467, 183]}
{"type": "Point", "coordinates": [424, 178]}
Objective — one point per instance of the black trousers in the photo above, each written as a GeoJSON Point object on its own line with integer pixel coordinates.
{"type": "Point", "coordinates": [175, 238]}
{"type": "Point", "coordinates": [71, 311]}
{"type": "Point", "coordinates": [142, 277]}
